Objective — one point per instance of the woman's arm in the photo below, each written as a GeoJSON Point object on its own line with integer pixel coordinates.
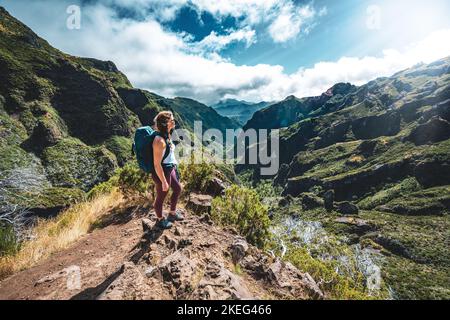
{"type": "Point", "coordinates": [159, 146]}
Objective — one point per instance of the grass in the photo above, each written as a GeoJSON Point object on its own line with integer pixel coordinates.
{"type": "Point", "coordinates": [389, 193]}
{"type": "Point", "coordinates": [53, 235]}
{"type": "Point", "coordinates": [335, 286]}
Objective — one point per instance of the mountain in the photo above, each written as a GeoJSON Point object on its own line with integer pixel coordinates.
{"type": "Point", "coordinates": [293, 109]}
{"type": "Point", "coordinates": [379, 153]}
{"type": "Point", "coordinates": [241, 111]}
{"type": "Point", "coordinates": [66, 121]}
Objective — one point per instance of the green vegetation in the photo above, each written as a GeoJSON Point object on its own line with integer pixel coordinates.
{"type": "Point", "coordinates": [133, 182]}
{"type": "Point", "coordinates": [71, 163]}
{"type": "Point", "coordinates": [195, 176]}
{"type": "Point", "coordinates": [9, 243]}
{"type": "Point", "coordinates": [389, 193]}
{"type": "Point", "coordinates": [121, 147]}
{"type": "Point", "coordinates": [241, 207]}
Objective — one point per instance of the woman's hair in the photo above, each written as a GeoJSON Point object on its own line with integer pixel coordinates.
{"type": "Point", "coordinates": [162, 120]}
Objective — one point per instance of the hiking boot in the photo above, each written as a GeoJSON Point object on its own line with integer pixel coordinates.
{"type": "Point", "coordinates": [163, 224]}
{"type": "Point", "coordinates": [178, 216]}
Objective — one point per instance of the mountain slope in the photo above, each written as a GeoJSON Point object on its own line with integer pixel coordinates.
{"type": "Point", "coordinates": [66, 122]}
{"type": "Point", "coordinates": [379, 160]}
{"type": "Point", "coordinates": [292, 109]}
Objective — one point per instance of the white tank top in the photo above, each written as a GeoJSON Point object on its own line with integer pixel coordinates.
{"type": "Point", "coordinates": [170, 159]}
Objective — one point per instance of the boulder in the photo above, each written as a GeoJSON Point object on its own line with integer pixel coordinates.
{"type": "Point", "coordinates": [147, 225]}
{"type": "Point", "coordinates": [289, 281]}
{"type": "Point", "coordinates": [238, 250]}
{"type": "Point", "coordinates": [215, 187]}
{"type": "Point", "coordinates": [199, 203]}
{"type": "Point", "coordinates": [347, 208]}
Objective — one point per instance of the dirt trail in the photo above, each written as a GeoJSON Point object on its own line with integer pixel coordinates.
{"type": "Point", "coordinates": [98, 255]}
{"type": "Point", "coordinates": [193, 260]}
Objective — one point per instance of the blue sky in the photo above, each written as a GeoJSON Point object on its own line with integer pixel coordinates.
{"type": "Point", "coordinates": [254, 50]}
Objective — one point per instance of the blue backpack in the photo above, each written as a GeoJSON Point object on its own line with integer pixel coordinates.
{"type": "Point", "coordinates": [143, 148]}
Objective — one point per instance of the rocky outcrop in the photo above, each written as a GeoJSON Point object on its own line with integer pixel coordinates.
{"type": "Point", "coordinates": [435, 130]}
{"type": "Point", "coordinates": [357, 226]}
{"type": "Point", "coordinates": [199, 203]}
{"type": "Point", "coordinates": [195, 260]}
{"type": "Point", "coordinates": [215, 187]}
{"type": "Point", "coordinates": [347, 208]}
{"type": "Point", "coordinates": [432, 173]}
{"type": "Point", "coordinates": [284, 278]}
{"type": "Point", "coordinates": [371, 127]}
{"type": "Point", "coordinates": [218, 283]}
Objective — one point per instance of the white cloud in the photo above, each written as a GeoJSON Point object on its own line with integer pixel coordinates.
{"type": "Point", "coordinates": [282, 18]}
{"type": "Point", "coordinates": [215, 43]}
{"type": "Point", "coordinates": [290, 21]}
{"type": "Point", "coordinates": [165, 62]}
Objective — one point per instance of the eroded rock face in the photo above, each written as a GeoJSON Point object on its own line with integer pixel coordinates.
{"type": "Point", "coordinates": [310, 201]}
{"type": "Point", "coordinates": [179, 271]}
{"type": "Point", "coordinates": [372, 127]}
{"type": "Point", "coordinates": [289, 280]}
{"type": "Point", "coordinates": [219, 283]}
{"type": "Point", "coordinates": [432, 173]}
{"type": "Point", "coordinates": [435, 130]}
{"type": "Point", "coordinates": [328, 200]}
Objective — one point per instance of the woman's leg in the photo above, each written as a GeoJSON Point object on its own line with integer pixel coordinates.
{"type": "Point", "coordinates": [176, 190]}
{"type": "Point", "coordinates": [160, 194]}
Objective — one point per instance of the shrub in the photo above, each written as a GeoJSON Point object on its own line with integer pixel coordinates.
{"type": "Point", "coordinates": [334, 285]}
{"type": "Point", "coordinates": [242, 208]}
{"type": "Point", "coordinates": [105, 187]}
{"type": "Point", "coordinates": [133, 182]}
{"type": "Point", "coordinates": [9, 243]}
{"type": "Point", "coordinates": [195, 176]}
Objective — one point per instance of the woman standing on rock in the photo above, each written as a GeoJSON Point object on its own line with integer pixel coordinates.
{"type": "Point", "coordinates": [166, 173]}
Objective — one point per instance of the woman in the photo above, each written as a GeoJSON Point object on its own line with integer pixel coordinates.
{"type": "Point", "coordinates": [166, 171]}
